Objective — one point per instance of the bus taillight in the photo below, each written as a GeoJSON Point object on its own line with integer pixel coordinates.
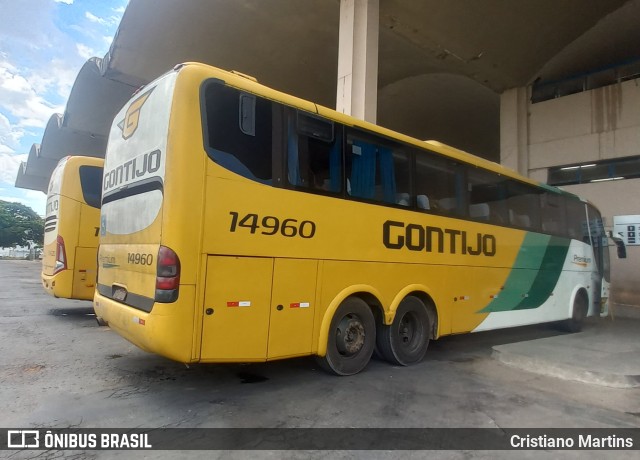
{"type": "Point", "coordinates": [168, 275]}
{"type": "Point", "coordinates": [61, 256]}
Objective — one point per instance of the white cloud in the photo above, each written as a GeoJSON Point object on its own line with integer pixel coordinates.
{"type": "Point", "coordinates": [13, 199]}
{"type": "Point", "coordinates": [9, 165]}
{"type": "Point", "coordinates": [13, 82]}
{"type": "Point", "coordinates": [93, 18]}
{"type": "Point", "coordinates": [85, 51]}
{"type": "Point", "coordinates": [9, 136]}
{"type": "Point", "coordinates": [29, 26]}
{"type": "Point", "coordinates": [43, 44]}
{"type": "Point", "coordinates": [58, 78]}
{"type": "Point", "coordinates": [21, 100]}
{"type": "Point", "coordinates": [109, 21]}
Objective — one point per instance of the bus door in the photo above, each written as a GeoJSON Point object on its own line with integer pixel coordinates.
{"type": "Point", "coordinates": [599, 276]}
{"type": "Point", "coordinates": [257, 308]}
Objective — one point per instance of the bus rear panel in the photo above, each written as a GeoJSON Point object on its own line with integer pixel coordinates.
{"type": "Point", "coordinates": [71, 228]}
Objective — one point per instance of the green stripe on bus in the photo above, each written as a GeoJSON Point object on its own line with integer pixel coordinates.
{"type": "Point", "coordinates": [534, 276]}
{"type": "Point", "coordinates": [548, 275]}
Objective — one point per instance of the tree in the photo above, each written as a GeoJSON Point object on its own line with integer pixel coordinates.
{"type": "Point", "coordinates": [19, 225]}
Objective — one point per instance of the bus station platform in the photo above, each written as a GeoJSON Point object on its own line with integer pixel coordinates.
{"type": "Point", "coordinates": [606, 352]}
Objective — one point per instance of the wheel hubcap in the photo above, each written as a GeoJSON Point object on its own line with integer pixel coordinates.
{"type": "Point", "coordinates": [407, 329]}
{"type": "Point", "coordinates": [350, 335]}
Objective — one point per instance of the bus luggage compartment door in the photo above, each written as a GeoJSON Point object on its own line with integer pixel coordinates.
{"type": "Point", "coordinates": [84, 273]}
{"type": "Point", "coordinates": [235, 324]}
{"type": "Point", "coordinates": [292, 307]}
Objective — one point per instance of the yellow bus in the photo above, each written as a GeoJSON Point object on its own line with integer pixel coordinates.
{"type": "Point", "coordinates": [242, 224]}
{"type": "Point", "coordinates": [71, 228]}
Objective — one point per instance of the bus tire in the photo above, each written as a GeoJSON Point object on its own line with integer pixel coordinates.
{"type": "Point", "coordinates": [101, 321]}
{"type": "Point", "coordinates": [352, 338]}
{"type": "Point", "coordinates": [578, 313]}
{"type": "Point", "coordinates": [405, 341]}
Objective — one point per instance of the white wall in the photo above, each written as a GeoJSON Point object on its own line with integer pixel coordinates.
{"type": "Point", "coordinates": [599, 124]}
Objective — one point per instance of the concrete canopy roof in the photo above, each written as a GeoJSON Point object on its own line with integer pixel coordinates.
{"type": "Point", "coordinates": [442, 64]}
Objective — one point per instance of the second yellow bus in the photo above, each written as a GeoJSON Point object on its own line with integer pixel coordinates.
{"type": "Point", "coordinates": [71, 228]}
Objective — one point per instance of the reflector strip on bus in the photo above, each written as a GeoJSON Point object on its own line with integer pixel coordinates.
{"type": "Point", "coordinates": [241, 303]}
{"type": "Point", "coordinates": [300, 305]}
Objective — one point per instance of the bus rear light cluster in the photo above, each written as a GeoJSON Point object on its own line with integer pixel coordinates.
{"type": "Point", "coordinates": [61, 256]}
{"type": "Point", "coordinates": [167, 275]}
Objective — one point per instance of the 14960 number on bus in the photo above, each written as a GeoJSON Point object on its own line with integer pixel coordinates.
{"type": "Point", "coordinates": [271, 225]}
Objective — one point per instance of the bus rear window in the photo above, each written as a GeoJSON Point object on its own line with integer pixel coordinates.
{"type": "Point", "coordinates": [91, 183]}
{"type": "Point", "coordinates": [238, 131]}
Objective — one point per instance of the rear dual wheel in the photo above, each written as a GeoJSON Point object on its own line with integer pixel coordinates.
{"type": "Point", "coordinates": [405, 341]}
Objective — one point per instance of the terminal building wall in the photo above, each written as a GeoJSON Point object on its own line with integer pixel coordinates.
{"type": "Point", "coordinates": [588, 126]}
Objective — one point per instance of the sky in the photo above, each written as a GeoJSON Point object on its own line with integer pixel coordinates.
{"type": "Point", "coordinates": [43, 45]}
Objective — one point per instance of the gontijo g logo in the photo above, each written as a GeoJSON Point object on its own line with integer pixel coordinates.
{"type": "Point", "coordinates": [132, 117]}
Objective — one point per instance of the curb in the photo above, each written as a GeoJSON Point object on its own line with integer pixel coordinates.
{"type": "Point", "coordinates": [563, 371]}
{"type": "Point", "coordinates": [619, 310]}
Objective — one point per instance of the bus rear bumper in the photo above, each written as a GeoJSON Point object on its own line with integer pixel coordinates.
{"type": "Point", "coordinates": [58, 285]}
{"type": "Point", "coordinates": [166, 331]}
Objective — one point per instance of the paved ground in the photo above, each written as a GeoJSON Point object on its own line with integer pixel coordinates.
{"type": "Point", "coordinates": [606, 353]}
{"type": "Point", "coordinates": [59, 369]}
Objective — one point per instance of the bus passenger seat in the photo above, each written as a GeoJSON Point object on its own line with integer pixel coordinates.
{"type": "Point", "coordinates": [402, 199]}
{"type": "Point", "coordinates": [520, 220]}
{"type": "Point", "coordinates": [479, 211]}
{"type": "Point", "coordinates": [447, 204]}
{"type": "Point", "coordinates": [423, 202]}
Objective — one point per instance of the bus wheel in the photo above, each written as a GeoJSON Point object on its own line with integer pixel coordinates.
{"type": "Point", "coordinates": [101, 322]}
{"type": "Point", "coordinates": [579, 313]}
{"type": "Point", "coordinates": [405, 342]}
{"type": "Point", "coordinates": [352, 337]}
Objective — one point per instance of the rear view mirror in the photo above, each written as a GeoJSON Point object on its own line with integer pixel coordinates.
{"type": "Point", "coordinates": [621, 248]}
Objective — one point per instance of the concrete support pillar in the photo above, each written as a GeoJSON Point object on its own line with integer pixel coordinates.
{"type": "Point", "coordinates": [514, 130]}
{"type": "Point", "coordinates": [358, 59]}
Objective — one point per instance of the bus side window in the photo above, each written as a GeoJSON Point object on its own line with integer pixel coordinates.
{"type": "Point", "coordinates": [435, 184]}
{"type": "Point", "coordinates": [239, 131]}
{"type": "Point", "coordinates": [361, 157]}
{"type": "Point", "coordinates": [314, 153]}
{"type": "Point", "coordinates": [553, 213]}
{"type": "Point", "coordinates": [487, 196]}
{"type": "Point", "coordinates": [523, 202]}
{"type": "Point", "coordinates": [377, 171]}
{"type": "Point", "coordinates": [396, 177]}
{"type": "Point", "coordinates": [577, 228]}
